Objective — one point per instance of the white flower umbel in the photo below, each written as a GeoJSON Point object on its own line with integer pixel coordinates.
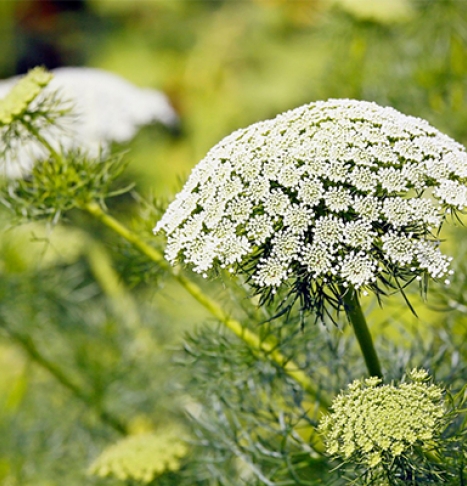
{"type": "Point", "coordinates": [339, 193]}
{"type": "Point", "coordinates": [104, 108]}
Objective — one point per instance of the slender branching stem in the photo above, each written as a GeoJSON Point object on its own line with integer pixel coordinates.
{"type": "Point", "coordinates": [268, 347]}
{"type": "Point", "coordinates": [33, 130]}
{"type": "Point", "coordinates": [357, 320]}
{"type": "Point", "coordinates": [30, 348]}
{"type": "Point", "coordinates": [28, 345]}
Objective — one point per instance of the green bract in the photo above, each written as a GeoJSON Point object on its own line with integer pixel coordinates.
{"type": "Point", "coordinates": [333, 194]}
{"type": "Point", "coordinates": [61, 184]}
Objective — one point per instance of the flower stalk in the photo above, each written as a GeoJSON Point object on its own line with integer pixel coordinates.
{"type": "Point", "coordinates": [35, 132]}
{"type": "Point", "coordinates": [357, 319]}
{"type": "Point", "coordinates": [269, 347]}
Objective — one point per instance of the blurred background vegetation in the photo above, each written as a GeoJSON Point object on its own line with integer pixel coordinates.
{"type": "Point", "coordinates": [88, 344]}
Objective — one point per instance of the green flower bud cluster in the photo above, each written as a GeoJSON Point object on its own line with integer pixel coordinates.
{"type": "Point", "coordinates": [17, 101]}
{"type": "Point", "coordinates": [141, 457]}
{"type": "Point", "coordinates": [373, 424]}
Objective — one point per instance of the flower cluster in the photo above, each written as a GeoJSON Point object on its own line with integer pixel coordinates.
{"type": "Point", "coordinates": [337, 192]}
{"type": "Point", "coordinates": [24, 92]}
{"type": "Point", "coordinates": [141, 457]}
{"type": "Point", "coordinates": [102, 108]}
{"type": "Point", "coordinates": [373, 424]}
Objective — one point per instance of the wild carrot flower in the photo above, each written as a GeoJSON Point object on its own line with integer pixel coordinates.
{"type": "Point", "coordinates": [374, 425]}
{"type": "Point", "coordinates": [329, 195]}
{"type": "Point", "coordinates": [100, 108]}
{"type": "Point", "coordinates": [141, 457]}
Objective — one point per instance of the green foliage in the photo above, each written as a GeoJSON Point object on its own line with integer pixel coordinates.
{"type": "Point", "coordinates": [253, 412]}
{"type": "Point", "coordinates": [60, 184]}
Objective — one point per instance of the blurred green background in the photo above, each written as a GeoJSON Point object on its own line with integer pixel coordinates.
{"type": "Point", "coordinates": [228, 63]}
{"type": "Point", "coordinates": [224, 64]}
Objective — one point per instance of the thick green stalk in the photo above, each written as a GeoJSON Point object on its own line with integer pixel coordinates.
{"type": "Point", "coordinates": [252, 339]}
{"type": "Point", "coordinates": [357, 319]}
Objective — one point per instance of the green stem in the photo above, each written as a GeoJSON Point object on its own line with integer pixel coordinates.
{"type": "Point", "coordinates": [360, 327]}
{"type": "Point", "coordinates": [28, 345]}
{"type": "Point", "coordinates": [269, 347]}
{"type": "Point", "coordinates": [33, 131]}
{"type": "Point", "coordinates": [30, 348]}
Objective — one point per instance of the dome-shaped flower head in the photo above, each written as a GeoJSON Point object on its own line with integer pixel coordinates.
{"type": "Point", "coordinates": [333, 194]}
{"type": "Point", "coordinates": [142, 457]}
{"type": "Point", "coordinates": [378, 425]}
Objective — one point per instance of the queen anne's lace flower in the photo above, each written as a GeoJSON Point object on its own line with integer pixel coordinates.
{"type": "Point", "coordinates": [277, 203]}
{"type": "Point", "coordinates": [452, 193]}
{"type": "Point", "coordinates": [310, 191]}
{"type": "Point", "coordinates": [328, 230]}
{"type": "Point", "coordinates": [368, 207]}
{"type": "Point", "coordinates": [399, 248]}
{"type": "Point", "coordinates": [297, 218]}
{"type": "Point", "coordinates": [392, 179]}
{"type": "Point", "coordinates": [338, 199]}
{"type": "Point", "coordinates": [142, 457]}
{"type": "Point", "coordinates": [373, 424]}
{"type": "Point", "coordinates": [363, 179]}
{"type": "Point", "coordinates": [105, 108]}
{"type": "Point", "coordinates": [358, 234]}
{"type": "Point", "coordinates": [271, 272]}
{"type": "Point", "coordinates": [340, 192]}
{"type": "Point", "coordinates": [358, 269]}
{"type": "Point", "coordinates": [430, 257]}
{"type": "Point", "coordinates": [317, 258]}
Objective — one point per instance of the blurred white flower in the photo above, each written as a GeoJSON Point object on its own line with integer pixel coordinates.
{"type": "Point", "coordinates": [333, 193]}
{"type": "Point", "coordinates": [105, 108]}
